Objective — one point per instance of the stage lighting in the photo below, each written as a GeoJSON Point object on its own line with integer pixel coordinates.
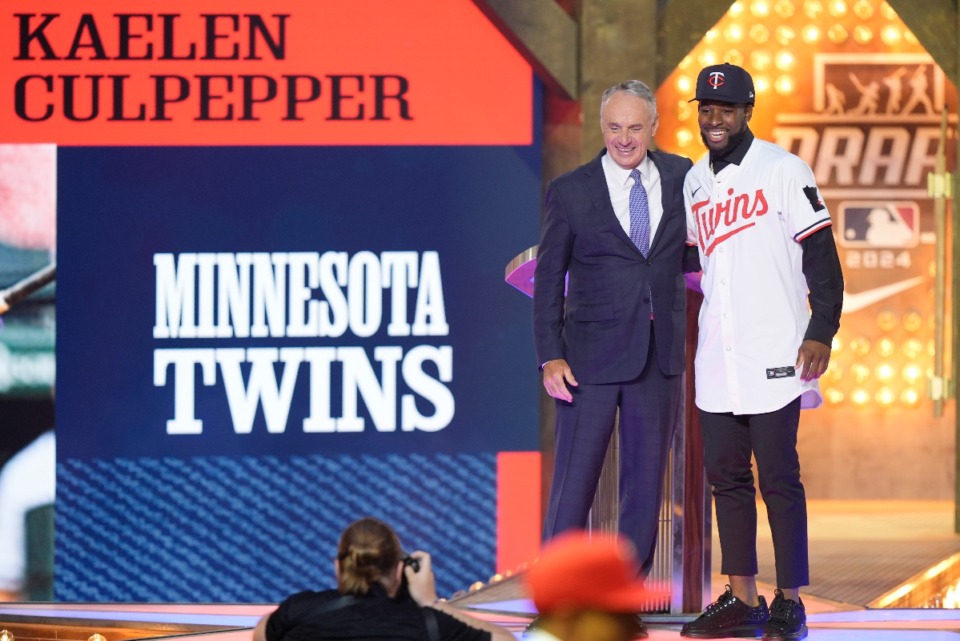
{"type": "Point", "coordinates": [759, 34]}
{"type": "Point", "coordinates": [886, 396]}
{"type": "Point", "coordinates": [760, 8]}
{"type": "Point", "coordinates": [862, 35]}
{"type": "Point", "coordinates": [860, 346]}
{"type": "Point", "coordinates": [887, 320]}
{"type": "Point", "coordinates": [784, 9]}
{"type": "Point", "coordinates": [784, 85]}
{"type": "Point", "coordinates": [837, 8]}
{"type": "Point", "coordinates": [863, 9]}
{"type": "Point", "coordinates": [760, 60]}
{"type": "Point", "coordinates": [837, 34]}
{"type": "Point", "coordinates": [885, 372]}
{"type": "Point", "coordinates": [734, 57]}
{"type": "Point", "coordinates": [833, 396]}
{"type": "Point", "coordinates": [912, 348]}
{"type": "Point", "coordinates": [784, 35]}
{"type": "Point", "coordinates": [890, 35]}
{"type": "Point", "coordinates": [860, 396]}
{"type": "Point", "coordinates": [912, 373]}
{"type": "Point", "coordinates": [733, 33]}
{"type": "Point", "coordinates": [860, 372]}
{"type": "Point", "coordinates": [810, 34]}
{"type": "Point", "coordinates": [708, 58]}
{"type": "Point", "coordinates": [834, 373]}
{"type": "Point", "coordinates": [785, 60]}
{"type": "Point", "coordinates": [886, 347]}
{"type": "Point", "coordinates": [812, 8]}
{"type": "Point", "coordinates": [910, 397]}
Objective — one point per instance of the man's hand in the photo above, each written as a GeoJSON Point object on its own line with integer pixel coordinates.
{"type": "Point", "coordinates": [421, 584]}
{"type": "Point", "coordinates": [556, 376]}
{"type": "Point", "coordinates": [813, 359]}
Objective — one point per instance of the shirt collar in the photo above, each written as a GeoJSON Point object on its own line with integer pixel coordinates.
{"type": "Point", "coordinates": [734, 155]}
{"type": "Point", "coordinates": [620, 175]}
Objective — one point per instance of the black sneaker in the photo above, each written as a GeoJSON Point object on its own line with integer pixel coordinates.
{"type": "Point", "coordinates": [788, 620]}
{"type": "Point", "coordinates": [728, 616]}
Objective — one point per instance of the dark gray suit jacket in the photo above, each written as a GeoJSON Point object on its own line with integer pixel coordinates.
{"type": "Point", "coordinates": [602, 326]}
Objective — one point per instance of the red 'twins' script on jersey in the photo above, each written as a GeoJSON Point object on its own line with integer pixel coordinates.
{"type": "Point", "coordinates": [726, 217]}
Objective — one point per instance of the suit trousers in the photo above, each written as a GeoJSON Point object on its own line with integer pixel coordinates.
{"type": "Point", "coordinates": [649, 408]}
{"type": "Point", "coordinates": [728, 442]}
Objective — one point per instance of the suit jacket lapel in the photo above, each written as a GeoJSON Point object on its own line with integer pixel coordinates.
{"type": "Point", "coordinates": [666, 189]}
{"type": "Point", "coordinates": [599, 194]}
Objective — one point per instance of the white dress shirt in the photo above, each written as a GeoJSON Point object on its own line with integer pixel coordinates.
{"type": "Point", "coordinates": [619, 184]}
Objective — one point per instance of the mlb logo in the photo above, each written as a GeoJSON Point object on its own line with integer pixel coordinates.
{"type": "Point", "coordinates": [879, 223]}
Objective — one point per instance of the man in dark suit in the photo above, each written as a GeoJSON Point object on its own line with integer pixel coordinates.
{"type": "Point", "coordinates": [616, 339]}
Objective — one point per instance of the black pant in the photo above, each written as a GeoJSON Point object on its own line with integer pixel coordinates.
{"type": "Point", "coordinates": [648, 406]}
{"type": "Point", "coordinates": [728, 442]}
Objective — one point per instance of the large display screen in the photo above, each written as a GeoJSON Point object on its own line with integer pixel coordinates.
{"type": "Point", "coordinates": [282, 229]}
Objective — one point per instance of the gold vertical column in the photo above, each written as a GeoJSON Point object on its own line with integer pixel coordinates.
{"type": "Point", "coordinates": [955, 281]}
{"type": "Point", "coordinates": [939, 187]}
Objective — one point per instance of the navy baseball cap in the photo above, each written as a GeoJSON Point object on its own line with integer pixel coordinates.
{"type": "Point", "coordinates": [725, 83]}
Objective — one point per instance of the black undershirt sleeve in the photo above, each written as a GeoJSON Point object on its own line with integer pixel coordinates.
{"type": "Point", "coordinates": [821, 267]}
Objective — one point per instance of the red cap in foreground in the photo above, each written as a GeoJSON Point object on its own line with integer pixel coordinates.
{"type": "Point", "coordinates": [582, 571]}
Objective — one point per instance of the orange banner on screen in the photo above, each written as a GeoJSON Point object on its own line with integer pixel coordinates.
{"type": "Point", "coordinates": [239, 72]}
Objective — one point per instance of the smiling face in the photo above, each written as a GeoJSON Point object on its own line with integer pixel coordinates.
{"type": "Point", "coordinates": [628, 124]}
{"type": "Point", "coordinates": [719, 121]}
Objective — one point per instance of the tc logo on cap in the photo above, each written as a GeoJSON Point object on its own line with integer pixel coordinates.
{"type": "Point", "coordinates": [725, 83]}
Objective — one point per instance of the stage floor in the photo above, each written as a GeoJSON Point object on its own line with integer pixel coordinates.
{"type": "Point", "coordinates": [860, 551]}
{"type": "Point", "coordinates": [236, 621]}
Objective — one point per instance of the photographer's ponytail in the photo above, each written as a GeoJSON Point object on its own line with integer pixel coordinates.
{"type": "Point", "coordinates": [368, 553]}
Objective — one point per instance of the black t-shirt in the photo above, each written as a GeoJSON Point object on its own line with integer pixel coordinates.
{"type": "Point", "coordinates": [321, 616]}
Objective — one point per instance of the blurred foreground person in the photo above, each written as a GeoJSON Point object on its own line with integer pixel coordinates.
{"type": "Point", "coordinates": [381, 594]}
{"type": "Point", "coordinates": [28, 481]}
{"type": "Point", "coordinates": [586, 588]}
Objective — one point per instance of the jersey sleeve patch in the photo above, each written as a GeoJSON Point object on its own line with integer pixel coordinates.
{"type": "Point", "coordinates": [814, 197]}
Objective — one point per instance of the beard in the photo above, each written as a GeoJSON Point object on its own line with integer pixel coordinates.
{"type": "Point", "coordinates": [733, 141]}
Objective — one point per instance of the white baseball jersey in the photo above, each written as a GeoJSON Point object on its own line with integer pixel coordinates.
{"type": "Point", "coordinates": [748, 222]}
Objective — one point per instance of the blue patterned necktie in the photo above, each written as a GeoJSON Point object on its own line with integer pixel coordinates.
{"type": "Point", "coordinates": [639, 214]}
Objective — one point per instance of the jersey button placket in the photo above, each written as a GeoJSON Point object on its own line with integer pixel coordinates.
{"type": "Point", "coordinates": [727, 335]}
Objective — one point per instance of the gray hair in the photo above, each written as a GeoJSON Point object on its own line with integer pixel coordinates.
{"type": "Point", "coordinates": [635, 88]}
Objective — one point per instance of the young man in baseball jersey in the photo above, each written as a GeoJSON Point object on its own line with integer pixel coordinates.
{"type": "Point", "coordinates": [772, 290]}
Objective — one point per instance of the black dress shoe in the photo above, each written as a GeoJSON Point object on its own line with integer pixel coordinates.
{"type": "Point", "coordinates": [530, 626]}
{"type": "Point", "coordinates": [728, 616]}
{"type": "Point", "coordinates": [641, 629]}
{"type": "Point", "coordinates": [788, 620]}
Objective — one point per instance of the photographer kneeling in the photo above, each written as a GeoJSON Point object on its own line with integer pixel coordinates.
{"type": "Point", "coordinates": [371, 601]}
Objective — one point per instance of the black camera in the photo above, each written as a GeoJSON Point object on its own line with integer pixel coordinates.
{"type": "Point", "coordinates": [409, 561]}
{"type": "Point", "coordinates": [403, 594]}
